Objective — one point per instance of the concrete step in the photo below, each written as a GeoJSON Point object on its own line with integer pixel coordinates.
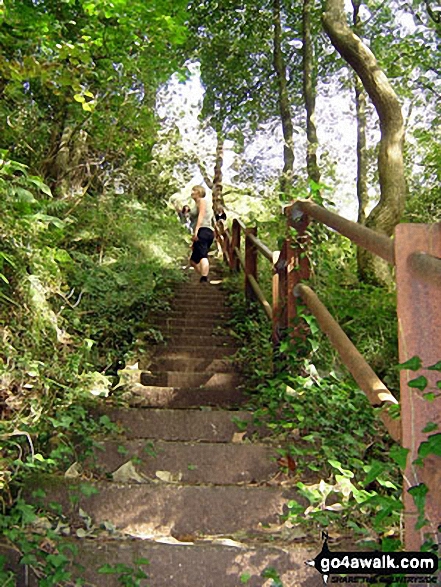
{"type": "Point", "coordinates": [193, 463]}
{"type": "Point", "coordinates": [192, 340]}
{"type": "Point", "coordinates": [217, 563]}
{"type": "Point", "coordinates": [190, 294]}
{"type": "Point", "coordinates": [203, 324]}
{"type": "Point", "coordinates": [209, 313]}
{"type": "Point", "coordinates": [189, 365]}
{"type": "Point", "coordinates": [196, 352]}
{"type": "Point", "coordinates": [179, 379]}
{"type": "Point", "coordinates": [185, 425]}
{"type": "Point", "coordinates": [181, 397]}
{"type": "Point", "coordinates": [147, 510]}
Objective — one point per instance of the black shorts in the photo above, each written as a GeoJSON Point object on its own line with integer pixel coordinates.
{"type": "Point", "coordinates": [202, 245]}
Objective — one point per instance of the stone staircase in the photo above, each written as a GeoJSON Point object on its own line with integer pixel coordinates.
{"type": "Point", "coordinates": [190, 484]}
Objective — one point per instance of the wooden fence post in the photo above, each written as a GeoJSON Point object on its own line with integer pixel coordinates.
{"type": "Point", "coordinates": [419, 323]}
{"type": "Point", "coordinates": [235, 243]}
{"type": "Point", "coordinates": [250, 263]}
{"type": "Point", "coordinates": [297, 262]}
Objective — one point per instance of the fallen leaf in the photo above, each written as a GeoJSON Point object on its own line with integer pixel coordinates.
{"type": "Point", "coordinates": [238, 437]}
{"type": "Point", "coordinates": [168, 477]}
{"type": "Point", "coordinates": [127, 473]}
{"type": "Point", "coordinates": [74, 471]}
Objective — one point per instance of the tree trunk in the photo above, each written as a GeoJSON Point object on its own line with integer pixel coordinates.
{"type": "Point", "coordinates": [360, 104]}
{"type": "Point", "coordinates": [387, 213]}
{"type": "Point", "coordinates": [285, 112]}
{"type": "Point", "coordinates": [362, 190]}
{"type": "Point", "coordinates": [309, 82]}
{"type": "Point", "coordinates": [217, 179]}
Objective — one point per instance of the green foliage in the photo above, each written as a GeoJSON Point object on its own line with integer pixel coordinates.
{"type": "Point", "coordinates": [76, 283]}
{"type": "Point", "coordinates": [127, 576]}
{"type": "Point", "coordinates": [324, 423]}
{"type": "Point", "coordinates": [90, 67]}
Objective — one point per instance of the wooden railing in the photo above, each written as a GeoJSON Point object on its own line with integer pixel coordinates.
{"type": "Point", "coordinates": [415, 252]}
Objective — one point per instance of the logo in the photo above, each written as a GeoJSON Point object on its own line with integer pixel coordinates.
{"type": "Point", "coordinates": [383, 564]}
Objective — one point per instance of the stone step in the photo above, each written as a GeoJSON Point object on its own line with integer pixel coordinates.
{"type": "Point", "coordinates": [179, 379]}
{"type": "Point", "coordinates": [191, 463]}
{"type": "Point", "coordinates": [190, 294]}
{"type": "Point", "coordinates": [185, 425]}
{"type": "Point", "coordinates": [192, 340]}
{"type": "Point", "coordinates": [146, 510]}
{"type": "Point", "coordinates": [180, 397]}
{"type": "Point", "coordinates": [194, 329]}
{"type": "Point", "coordinates": [206, 324]}
{"type": "Point", "coordinates": [189, 365]}
{"type": "Point", "coordinates": [216, 563]}
{"type": "Point", "coordinates": [211, 313]}
{"type": "Point", "coordinates": [196, 352]}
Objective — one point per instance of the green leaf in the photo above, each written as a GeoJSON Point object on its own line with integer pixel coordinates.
{"type": "Point", "coordinates": [88, 490]}
{"type": "Point", "coordinates": [24, 195]}
{"type": "Point", "coordinates": [245, 578]}
{"type": "Point", "coordinates": [373, 471]}
{"type": "Point", "coordinates": [399, 455]}
{"type": "Point", "coordinates": [435, 367]}
{"type": "Point", "coordinates": [419, 494]}
{"type": "Point", "coordinates": [107, 570]}
{"type": "Point", "coordinates": [430, 427]}
{"type": "Point", "coordinates": [141, 561]}
{"type": "Point", "coordinates": [419, 383]}
{"type": "Point", "coordinates": [412, 364]}
{"type": "Point", "coordinates": [431, 446]}
{"type": "Point", "coordinates": [40, 185]}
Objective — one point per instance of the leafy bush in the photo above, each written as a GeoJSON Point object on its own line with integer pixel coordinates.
{"type": "Point", "coordinates": [76, 278]}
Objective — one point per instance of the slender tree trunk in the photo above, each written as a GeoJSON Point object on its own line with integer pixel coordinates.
{"type": "Point", "coordinates": [217, 179]}
{"type": "Point", "coordinates": [360, 103]}
{"type": "Point", "coordinates": [362, 190]}
{"type": "Point", "coordinates": [309, 93]}
{"type": "Point", "coordinates": [387, 213]}
{"type": "Point", "coordinates": [285, 112]}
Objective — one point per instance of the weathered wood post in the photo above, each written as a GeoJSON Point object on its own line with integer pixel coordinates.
{"type": "Point", "coordinates": [277, 300]}
{"type": "Point", "coordinates": [250, 263]}
{"type": "Point", "coordinates": [418, 278]}
{"type": "Point", "coordinates": [235, 244]}
{"type": "Point", "coordinates": [297, 262]}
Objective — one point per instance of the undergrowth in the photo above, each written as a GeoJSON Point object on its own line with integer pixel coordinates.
{"type": "Point", "coordinates": [77, 277]}
{"type": "Point", "coordinates": [335, 449]}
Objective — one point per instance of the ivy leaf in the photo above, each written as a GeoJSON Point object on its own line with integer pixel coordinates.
{"type": "Point", "coordinates": [419, 493]}
{"type": "Point", "coordinates": [430, 427]}
{"type": "Point", "coordinates": [435, 367]}
{"type": "Point", "coordinates": [412, 364]}
{"type": "Point", "coordinates": [373, 471]}
{"type": "Point", "coordinates": [399, 455]}
{"type": "Point", "coordinates": [418, 383]}
{"type": "Point", "coordinates": [432, 446]}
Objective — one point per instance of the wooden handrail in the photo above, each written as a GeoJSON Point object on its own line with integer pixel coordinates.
{"type": "Point", "coordinates": [415, 253]}
{"type": "Point", "coordinates": [375, 390]}
{"type": "Point", "coordinates": [377, 243]}
{"type": "Point", "coordinates": [261, 247]}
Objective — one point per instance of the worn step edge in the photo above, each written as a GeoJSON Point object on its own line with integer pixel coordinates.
{"type": "Point", "coordinates": [193, 379]}
{"type": "Point", "coordinates": [181, 564]}
{"type": "Point", "coordinates": [178, 351]}
{"type": "Point", "coordinates": [186, 425]}
{"type": "Point", "coordinates": [146, 510]}
{"type": "Point", "coordinates": [185, 565]}
{"type": "Point", "coordinates": [192, 365]}
{"type": "Point", "coordinates": [187, 462]}
{"type": "Point", "coordinates": [180, 397]}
